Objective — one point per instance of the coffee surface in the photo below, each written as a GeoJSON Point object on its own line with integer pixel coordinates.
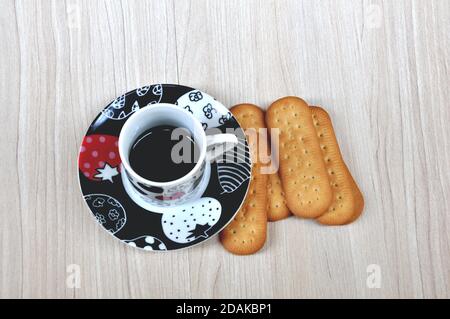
{"type": "Point", "coordinates": [164, 153]}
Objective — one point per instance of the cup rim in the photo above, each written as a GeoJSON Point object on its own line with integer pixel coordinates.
{"type": "Point", "coordinates": [152, 108]}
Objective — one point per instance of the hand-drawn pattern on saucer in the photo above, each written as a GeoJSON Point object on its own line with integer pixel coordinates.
{"type": "Point", "coordinates": [147, 242]}
{"type": "Point", "coordinates": [235, 168]}
{"type": "Point", "coordinates": [208, 111]}
{"type": "Point", "coordinates": [157, 90]}
{"type": "Point", "coordinates": [143, 90]}
{"type": "Point", "coordinates": [118, 103]}
{"type": "Point", "coordinates": [108, 211]}
{"type": "Point", "coordinates": [195, 96]}
{"type": "Point", "coordinates": [188, 108]}
{"type": "Point", "coordinates": [191, 221]}
{"type": "Point", "coordinates": [124, 105]}
{"type": "Point", "coordinates": [204, 107]}
{"type": "Point", "coordinates": [99, 158]}
{"type": "Point", "coordinates": [115, 110]}
{"type": "Point", "coordinates": [225, 118]}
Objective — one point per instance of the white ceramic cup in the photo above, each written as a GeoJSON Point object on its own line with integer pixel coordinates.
{"type": "Point", "coordinates": [180, 190]}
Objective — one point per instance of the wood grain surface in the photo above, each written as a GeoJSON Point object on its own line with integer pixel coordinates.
{"type": "Point", "coordinates": [381, 69]}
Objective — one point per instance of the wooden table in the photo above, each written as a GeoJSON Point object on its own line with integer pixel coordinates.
{"type": "Point", "coordinates": [381, 68]}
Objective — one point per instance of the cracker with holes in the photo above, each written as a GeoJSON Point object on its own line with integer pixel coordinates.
{"type": "Point", "coordinates": [348, 202]}
{"type": "Point", "coordinates": [246, 234]}
{"type": "Point", "coordinates": [302, 169]}
{"type": "Point", "coordinates": [276, 203]}
{"type": "Point", "coordinates": [359, 201]}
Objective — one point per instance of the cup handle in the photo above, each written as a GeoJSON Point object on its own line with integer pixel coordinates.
{"type": "Point", "coordinates": [218, 144]}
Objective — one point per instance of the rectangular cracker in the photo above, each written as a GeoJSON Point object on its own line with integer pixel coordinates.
{"type": "Point", "coordinates": [246, 233]}
{"type": "Point", "coordinates": [359, 201]}
{"type": "Point", "coordinates": [302, 170]}
{"type": "Point", "coordinates": [347, 203]}
{"type": "Point", "coordinates": [276, 203]}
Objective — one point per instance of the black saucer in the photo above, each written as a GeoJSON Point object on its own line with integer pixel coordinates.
{"type": "Point", "coordinates": [173, 227]}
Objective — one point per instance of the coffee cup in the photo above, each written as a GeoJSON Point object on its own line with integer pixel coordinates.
{"type": "Point", "coordinates": [144, 145]}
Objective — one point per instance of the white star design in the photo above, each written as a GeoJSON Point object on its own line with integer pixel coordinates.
{"type": "Point", "coordinates": [107, 173]}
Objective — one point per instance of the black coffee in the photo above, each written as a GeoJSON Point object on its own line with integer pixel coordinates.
{"type": "Point", "coordinates": [160, 156]}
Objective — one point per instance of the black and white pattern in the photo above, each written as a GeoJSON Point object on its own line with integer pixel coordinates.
{"type": "Point", "coordinates": [167, 196]}
{"type": "Point", "coordinates": [188, 108]}
{"type": "Point", "coordinates": [235, 168]}
{"type": "Point", "coordinates": [195, 96]}
{"type": "Point", "coordinates": [108, 211]}
{"type": "Point", "coordinates": [147, 243]}
{"type": "Point", "coordinates": [225, 118]}
{"type": "Point", "coordinates": [205, 108]}
{"type": "Point", "coordinates": [143, 90]}
{"type": "Point", "coordinates": [157, 90]}
{"type": "Point", "coordinates": [118, 103]}
{"type": "Point", "coordinates": [191, 221]}
{"type": "Point", "coordinates": [125, 105]}
{"type": "Point", "coordinates": [128, 221]}
{"type": "Point", "coordinates": [209, 111]}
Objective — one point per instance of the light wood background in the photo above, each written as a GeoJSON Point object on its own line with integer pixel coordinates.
{"type": "Point", "coordinates": [381, 68]}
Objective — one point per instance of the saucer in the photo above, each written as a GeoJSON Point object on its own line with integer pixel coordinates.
{"type": "Point", "coordinates": [121, 212]}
